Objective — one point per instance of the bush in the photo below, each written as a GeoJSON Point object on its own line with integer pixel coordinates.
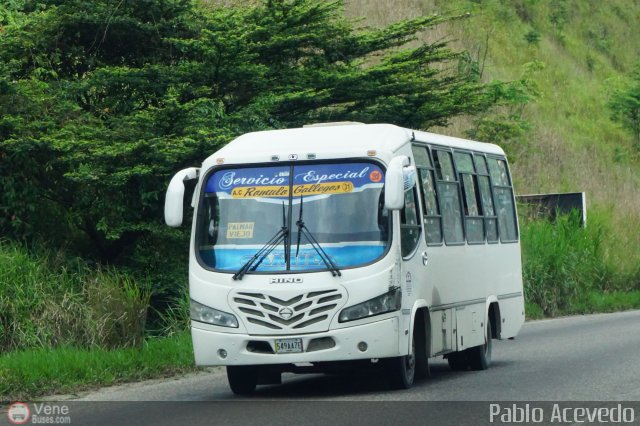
{"type": "Point", "coordinates": [563, 262]}
{"type": "Point", "coordinates": [176, 318]}
{"type": "Point", "coordinates": [532, 37]}
{"type": "Point", "coordinates": [48, 300]}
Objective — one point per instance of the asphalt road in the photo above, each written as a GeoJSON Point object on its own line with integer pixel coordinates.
{"type": "Point", "coordinates": [574, 359]}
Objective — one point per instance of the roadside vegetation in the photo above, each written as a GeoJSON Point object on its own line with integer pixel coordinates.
{"type": "Point", "coordinates": [66, 326]}
{"type": "Point", "coordinates": [570, 269]}
{"type": "Point", "coordinates": [29, 373]}
{"type": "Point", "coordinates": [92, 284]}
{"type": "Point", "coordinates": [48, 299]}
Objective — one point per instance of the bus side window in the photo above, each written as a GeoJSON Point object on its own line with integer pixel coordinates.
{"type": "Point", "coordinates": [486, 198]}
{"type": "Point", "coordinates": [503, 196]}
{"type": "Point", "coordinates": [409, 225]}
{"type": "Point", "coordinates": [431, 214]}
{"type": "Point", "coordinates": [432, 220]}
{"type": "Point", "coordinates": [449, 196]}
{"type": "Point", "coordinates": [470, 195]}
{"type": "Point", "coordinates": [489, 213]}
{"type": "Point", "coordinates": [473, 221]}
{"type": "Point", "coordinates": [506, 214]}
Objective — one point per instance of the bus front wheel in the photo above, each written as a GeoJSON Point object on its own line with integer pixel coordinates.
{"type": "Point", "coordinates": [242, 379]}
{"type": "Point", "coordinates": [402, 370]}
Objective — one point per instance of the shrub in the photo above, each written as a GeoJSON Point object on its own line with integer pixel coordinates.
{"type": "Point", "coordinates": [563, 262]}
{"type": "Point", "coordinates": [532, 37]}
{"type": "Point", "coordinates": [48, 300]}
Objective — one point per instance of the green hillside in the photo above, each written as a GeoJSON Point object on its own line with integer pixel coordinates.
{"type": "Point", "coordinates": [582, 51]}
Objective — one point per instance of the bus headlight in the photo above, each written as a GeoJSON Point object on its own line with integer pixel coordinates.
{"type": "Point", "coordinates": [202, 313]}
{"type": "Point", "coordinates": [388, 302]}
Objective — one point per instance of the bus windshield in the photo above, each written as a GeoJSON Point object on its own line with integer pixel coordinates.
{"type": "Point", "coordinates": [245, 208]}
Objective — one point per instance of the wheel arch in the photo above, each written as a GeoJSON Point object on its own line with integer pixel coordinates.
{"type": "Point", "coordinates": [494, 318]}
{"type": "Point", "coordinates": [420, 315]}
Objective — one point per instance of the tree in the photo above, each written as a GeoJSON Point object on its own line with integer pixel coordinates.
{"type": "Point", "coordinates": [101, 102]}
{"type": "Point", "coordinates": [625, 105]}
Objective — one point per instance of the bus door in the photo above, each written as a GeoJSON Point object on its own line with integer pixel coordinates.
{"type": "Point", "coordinates": [414, 255]}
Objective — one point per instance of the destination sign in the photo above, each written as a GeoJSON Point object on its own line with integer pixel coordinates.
{"type": "Point", "coordinates": [310, 179]}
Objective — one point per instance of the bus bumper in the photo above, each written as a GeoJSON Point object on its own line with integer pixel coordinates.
{"type": "Point", "coordinates": [216, 348]}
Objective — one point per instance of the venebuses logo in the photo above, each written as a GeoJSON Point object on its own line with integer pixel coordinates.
{"type": "Point", "coordinates": [18, 413]}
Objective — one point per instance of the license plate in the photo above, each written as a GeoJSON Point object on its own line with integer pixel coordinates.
{"type": "Point", "coordinates": [288, 346]}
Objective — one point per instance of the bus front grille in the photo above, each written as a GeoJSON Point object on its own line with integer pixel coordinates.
{"type": "Point", "coordinates": [307, 312]}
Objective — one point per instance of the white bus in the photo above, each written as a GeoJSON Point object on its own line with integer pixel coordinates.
{"type": "Point", "coordinates": [350, 245]}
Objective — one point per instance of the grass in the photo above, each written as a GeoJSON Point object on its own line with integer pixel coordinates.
{"type": "Point", "coordinates": [48, 299]}
{"type": "Point", "coordinates": [609, 302]}
{"type": "Point", "coordinates": [592, 303]}
{"type": "Point", "coordinates": [26, 374]}
{"type": "Point", "coordinates": [66, 326]}
{"type": "Point", "coordinates": [568, 269]}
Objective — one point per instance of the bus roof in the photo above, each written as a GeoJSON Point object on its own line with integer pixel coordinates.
{"type": "Point", "coordinates": [460, 143]}
{"type": "Point", "coordinates": [336, 141]}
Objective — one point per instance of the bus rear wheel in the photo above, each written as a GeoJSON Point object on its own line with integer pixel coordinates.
{"type": "Point", "coordinates": [458, 361]}
{"type": "Point", "coordinates": [242, 379]}
{"type": "Point", "coordinates": [480, 356]}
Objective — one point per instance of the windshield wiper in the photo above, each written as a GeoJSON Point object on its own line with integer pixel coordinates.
{"type": "Point", "coordinates": [331, 266]}
{"type": "Point", "coordinates": [253, 263]}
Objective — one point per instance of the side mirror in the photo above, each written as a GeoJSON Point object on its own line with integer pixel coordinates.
{"type": "Point", "coordinates": [175, 196]}
{"type": "Point", "coordinates": [395, 183]}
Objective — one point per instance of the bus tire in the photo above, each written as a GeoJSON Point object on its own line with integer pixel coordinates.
{"type": "Point", "coordinates": [422, 357]}
{"type": "Point", "coordinates": [402, 370]}
{"type": "Point", "coordinates": [480, 356]}
{"type": "Point", "coordinates": [458, 361]}
{"type": "Point", "coordinates": [242, 379]}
